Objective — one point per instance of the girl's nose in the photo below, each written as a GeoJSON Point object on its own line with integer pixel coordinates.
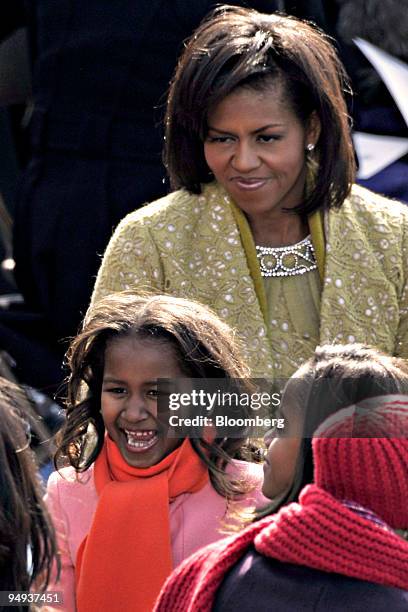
{"type": "Point", "coordinates": [136, 410]}
{"type": "Point", "coordinates": [268, 437]}
{"type": "Point", "coordinates": [245, 158]}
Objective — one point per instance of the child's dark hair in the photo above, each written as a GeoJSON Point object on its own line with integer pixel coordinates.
{"type": "Point", "coordinates": [203, 344]}
{"type": "Point", "coordinates": [25, 527]}
{"type": "Point", "coordinates": [334, 378]}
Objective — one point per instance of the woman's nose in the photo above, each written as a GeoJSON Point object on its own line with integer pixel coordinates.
{"type": "Point", "coordinates": [245, 158]}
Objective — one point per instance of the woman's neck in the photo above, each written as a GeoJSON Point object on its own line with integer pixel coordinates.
{"type": "Point", "coordinates": [272, 232]}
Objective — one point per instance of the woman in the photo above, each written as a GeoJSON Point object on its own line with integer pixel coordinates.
{"type": "Point", "coordinates": [265, 225]}
{"type": "Point", "coordinates": [336, 549]}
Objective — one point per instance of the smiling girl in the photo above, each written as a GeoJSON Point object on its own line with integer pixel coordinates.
{"type": "Point", "coordinates": [134, 502]}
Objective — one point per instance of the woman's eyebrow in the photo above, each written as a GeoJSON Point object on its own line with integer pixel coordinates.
{"type": "Point", "coordinates": [260, 129]}
{"type": "Point", "coordinates": [266, 127]}
{"type": "Point", "coordinates": [213, 129]}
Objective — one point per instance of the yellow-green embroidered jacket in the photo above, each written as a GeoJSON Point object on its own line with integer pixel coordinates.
{"type": "Point", "coordinates": [190, 246]}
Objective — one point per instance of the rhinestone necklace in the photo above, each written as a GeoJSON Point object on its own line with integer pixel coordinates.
{"type": "Point", "coordinates": [290, 260]}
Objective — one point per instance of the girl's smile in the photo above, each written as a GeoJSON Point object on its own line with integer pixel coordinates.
{"type": "Point", "coordinates": [139, 440]}
{"type": "Point", "coordinates": [129, 397]}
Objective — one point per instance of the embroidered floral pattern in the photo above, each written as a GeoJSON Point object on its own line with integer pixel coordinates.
{"type": "Point", "coordinates": [189, 246]}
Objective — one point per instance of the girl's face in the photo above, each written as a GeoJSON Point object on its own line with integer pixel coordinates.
{"type": "Point", "coordinates": [280, 465]}
{"type": "Point", "coordinates": [283, 449]}
{"type": "Point", "coordinates": [255, 148]}
{"type": "Point", "coordinates": [129, 398]}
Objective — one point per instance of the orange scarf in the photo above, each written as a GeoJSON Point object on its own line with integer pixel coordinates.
{"type": "Point", "coordinates": [124, 560]}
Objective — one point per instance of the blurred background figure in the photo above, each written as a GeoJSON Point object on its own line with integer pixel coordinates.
{"type": "Point", "coordinates": [383, 23]}
{"type": "Point", "coordinates": [99, 74]}
{"type": "Point", "coordinates": [27, 545]}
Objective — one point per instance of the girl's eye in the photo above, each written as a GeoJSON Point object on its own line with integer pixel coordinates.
{"type": "Point", "coordinates": [153, 393]}
{"type": "Point", "coordinates": [115, 390]}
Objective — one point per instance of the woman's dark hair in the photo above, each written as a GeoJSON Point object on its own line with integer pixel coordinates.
{"type": "Point", "coordinates": [204, 346]}
{"type": "Point", "coordinates": [25, 527]}
{"type": "Point", "coordinates": [236, 47]}
{"type": "Point", "coordinates": [334, 378]}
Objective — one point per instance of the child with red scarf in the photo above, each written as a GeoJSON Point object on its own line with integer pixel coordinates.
{"type": "Point", "coordinates": [341, 546]}
{"type": "Point", "coordinates": [134, 502]}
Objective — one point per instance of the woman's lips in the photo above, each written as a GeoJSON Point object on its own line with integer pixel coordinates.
{"type": "Point", "coordinates": [249, 184]}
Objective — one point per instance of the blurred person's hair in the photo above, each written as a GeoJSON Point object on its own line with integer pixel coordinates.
{"type": "Point", "coordinates": [27, 539]}
{"type": "Point", "coordinates": [383, 23]}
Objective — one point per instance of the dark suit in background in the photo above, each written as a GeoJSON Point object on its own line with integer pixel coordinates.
{"type": "Point", "coordinates": [100, 74]}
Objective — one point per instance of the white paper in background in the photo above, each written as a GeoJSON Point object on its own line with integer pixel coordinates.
{"type": "Point", "coordinates": [377, 152]}
{"type": "Point", "coordinates": [393, 72]}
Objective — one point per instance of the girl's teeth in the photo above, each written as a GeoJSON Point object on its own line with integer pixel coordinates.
{"type": "Point", "coordinates": [137, 444]}
{"type": "Point", "coordinates": [141, 434]}
{"type": "Point", "coordinates": [141, 439]}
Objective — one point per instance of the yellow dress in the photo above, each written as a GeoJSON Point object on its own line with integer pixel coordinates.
{"type": "Point", "coordinates": [193, 246]}
{"type": "Point", "coordinates": [293, 305]}
{"type": "Point", "coordinates": [290, 305]}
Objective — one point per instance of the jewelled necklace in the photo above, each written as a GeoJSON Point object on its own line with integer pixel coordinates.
{"type": "Point", "coordinates": [290, 260]}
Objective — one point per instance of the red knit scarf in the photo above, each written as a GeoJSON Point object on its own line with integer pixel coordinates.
{"type": "Point", "coordinates": [124, 560]}
{"type": "Point", "coordinates": [318, 532]}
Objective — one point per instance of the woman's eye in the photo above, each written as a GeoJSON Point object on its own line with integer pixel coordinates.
{"type": "Point", "coordinates": [219, 139]}
{"type": "Point", "coordinates": [268, 137]}
{"type": "Point", "coordinates": [154, 393]}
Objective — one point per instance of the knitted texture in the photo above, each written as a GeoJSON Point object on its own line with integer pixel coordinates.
{"type": "Point", "coordinates": [318, 532]}
{"type": "Point", "coordinates": [372, 471]}
{"type": "Point", "coordinates": [321, 532]}
{"type": "Point", "coordinates": [193, 584]}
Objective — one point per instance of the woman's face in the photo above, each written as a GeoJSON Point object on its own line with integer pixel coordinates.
{"type": "Point", "coordinates": [255, 148]}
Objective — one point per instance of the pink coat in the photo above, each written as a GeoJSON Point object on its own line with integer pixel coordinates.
{"type": "Point", "coordinates": [196, 519]}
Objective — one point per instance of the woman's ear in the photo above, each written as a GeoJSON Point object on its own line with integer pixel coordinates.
{"type": "Point", "coordinates": [313, 129]}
